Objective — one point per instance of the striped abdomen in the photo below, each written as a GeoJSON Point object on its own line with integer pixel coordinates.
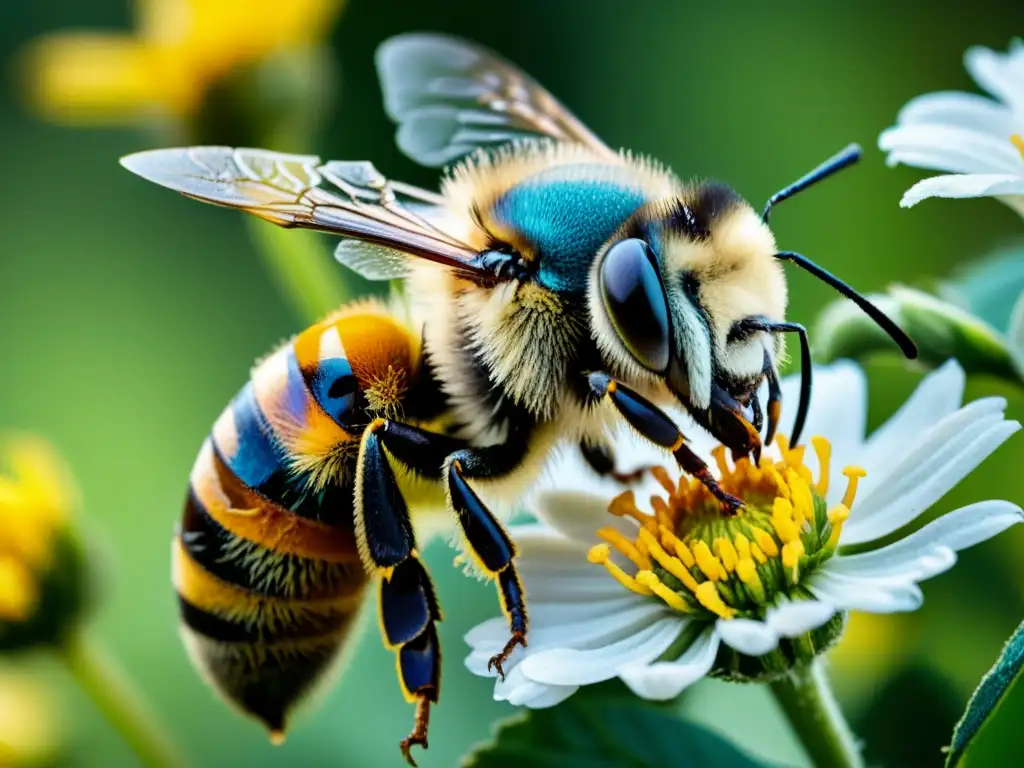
{"type": "Point", "coordinates": [266, 566]}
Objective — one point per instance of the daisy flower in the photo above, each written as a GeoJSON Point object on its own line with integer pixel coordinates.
{"type": "Point", "coordinates": [657, 587]}
{"type": "Point", "coordinates": [976, 139]}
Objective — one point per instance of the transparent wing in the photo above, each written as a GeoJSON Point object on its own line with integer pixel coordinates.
{"type": "Point", "coordinates": [371, 261]}
{"type": "Point", "coordinates": [450, 97]}
{"type": "Point", "coordinates": [352, 199]}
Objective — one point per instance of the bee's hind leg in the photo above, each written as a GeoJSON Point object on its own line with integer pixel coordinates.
{"type": "Point", "coordinates": [409, 610]}
{"type": "Point", "coordinates": [433, 455]}
{"type": "Point", "coordinates": [651, 422]}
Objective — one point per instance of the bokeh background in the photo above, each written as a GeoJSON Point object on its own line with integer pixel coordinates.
{"type": "Point", "coordinates": [129, 317]}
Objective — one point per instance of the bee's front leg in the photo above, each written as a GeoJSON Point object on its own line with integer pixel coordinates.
{"type": "Point", "coordinates": [651, 422]}
{"type": "Point", "coordinates": [426, 452]}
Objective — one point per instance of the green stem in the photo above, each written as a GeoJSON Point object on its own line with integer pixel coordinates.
{"type": "Point", "coordinates": [108, 686]}
{"type": "Point", "coordinates": [806, 698]}
{"type": "Point", "coordinates": [299, 264]}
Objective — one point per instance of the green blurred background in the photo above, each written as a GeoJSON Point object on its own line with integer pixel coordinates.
{"type": "Point", "coordinates": [130, 316]}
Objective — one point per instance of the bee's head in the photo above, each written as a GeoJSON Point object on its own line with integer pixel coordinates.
{"type": "Point", "coordinates": [689, 294]}
{"type": "Point", "coordinates": [668, 290]}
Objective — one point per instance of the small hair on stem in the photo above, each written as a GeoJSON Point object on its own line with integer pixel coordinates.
{"type": "Point", "coordinates": [842, 159]}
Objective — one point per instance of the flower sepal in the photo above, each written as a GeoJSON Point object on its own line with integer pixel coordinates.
{"type": "Point", "coordinates": [792, 653]}
{"type": "Point", "coordinates": [940, 329]}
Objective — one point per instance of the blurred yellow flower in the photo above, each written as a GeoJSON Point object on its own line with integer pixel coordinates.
{"type": "Point", "coordinates": [180, 48]}
{"type": "Point", "coordinates": [27, 716]}
{"type": "Point", "coordinates": [38, 559]}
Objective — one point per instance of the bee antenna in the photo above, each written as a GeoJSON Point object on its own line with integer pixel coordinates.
{"type": "Point", "coordinates": [898, 335]}
{"type": "Point", "coordinates": [842, 159]}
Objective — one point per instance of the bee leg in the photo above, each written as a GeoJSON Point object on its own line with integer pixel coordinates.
{"type": "Point", "coordinates": [651, 422]}
{"type": "Point", "coordinates": [487, 539]}
{"type": "Point", "coordinates": [601, 459]}
{"type": "Point", "coordinates": [408, 604]}
{"type": "Point", "coordinates": [408, 616]}
{"type": "Point", "coordinates": [433, 455]}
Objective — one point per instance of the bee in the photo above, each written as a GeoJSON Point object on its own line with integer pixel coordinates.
{"type": "Point", "coordinates": [556, 286]}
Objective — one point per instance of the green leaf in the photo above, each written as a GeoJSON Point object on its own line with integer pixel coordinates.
{"type": "Point", "coordinates": [599, 733]}
{"type": "Point", "coordinates": [988, 696]}
{"type": "Point", "coordinates": [940, 329]}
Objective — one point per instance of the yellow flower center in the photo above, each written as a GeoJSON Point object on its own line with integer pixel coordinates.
{"type": "Point", "coordinates": [1018, 142]}
{"type": "Point", "coordinates": [699, 561]}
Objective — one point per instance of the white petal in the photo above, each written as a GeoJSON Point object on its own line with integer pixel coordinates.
{"type": "Point", "coordinates": [960, 110]}
{"type": "Point", "coordinates": [929, 473]}
{"type": "Point", "coordinates": [792, 619]}
{"type": "Point", "coordinates": [948, 148]}
{"type": "Point", "coordinates": [930, 550]}
{"type": "Point", "coordinates": [964, 185]}
{"type": "Point", "coordinates": [850, 593]}
{"type": "Point", "coordinates": [999, 74]}
{"type": "Point", "coordinates": [565, 666]}
{"type": "Point", "coordinates": [937, 396]}
{"type": "Point", "coordinates": [548, 696]}
{"type": "Point", "coordinates": [665, 680]}
{"type": "Point", "coordinates": [597, 631]}
{"type": "Point", "coordinates": [578, 515]}
{"type": "Point", "coordinates": [748, 636]}
{"type": "Point", "coordinates": [915, 566]}
{"type": "Point", "coordinates": [838, 409]}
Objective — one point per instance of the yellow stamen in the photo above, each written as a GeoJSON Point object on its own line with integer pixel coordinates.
{"type": "Point", "coordinates": [662, 512]}
{"type": "Point", "coordinates": [669, 563]}
{"type": "Point", "coordinates": [791, 554]}
{"type": "Point", "coordinates": [782, 520]}
{"type": "Point", "coordinates": [650, 580]}
{"type": "Point", "coordinates": [723, 466]}
{"type": "Point", "coordinates": [661, 475]}
{"type": "Point", "coordinates": [776, 477]}
{"type": "Point", "coordinates": [803, 499]}
{"type": "Point", "coordinates": [682, 551]}
{"type": "Point", "coordinates": [710, 565]}
{"type": "Point", "coordinates": [726, 553]}
{"type": "Point", "coordinates": [837, 516]}
{"type": "Point", "coordinates": [765, 542]}
{"type": "Point", "coordinates": [747, 572]}
{"type": "Point", "coordinates": [625, 546]}
{"type": "Point", "coordinates": [599, 554]}
{"type": "Point", "coordinates": [1018, 142]}
{"type": "Point", "coordinates": [624, 505]}
{"type": "Point", "coordinates": [823, 449]}
{"type": "Point", "coordinates": [710, 599]}
{"type": "Point", "coordinates": [853, 474]}
{"type": "Point", "coordinates": [742, 546]}
{"type": "Point", "coordinates": [757, 554]}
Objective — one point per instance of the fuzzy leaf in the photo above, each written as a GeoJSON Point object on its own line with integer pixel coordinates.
{"type": "Point", "coordinates": [588, 733]}
{"type": "Point", "coordinates": [985, 701]}
{"type": "Point", "coordinates": [940, 329]}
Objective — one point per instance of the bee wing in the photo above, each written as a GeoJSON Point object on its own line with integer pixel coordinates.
{"type": "Point", "coordinates": [450, 97]}
{"type": "Point", "coordinates": [349, 198]}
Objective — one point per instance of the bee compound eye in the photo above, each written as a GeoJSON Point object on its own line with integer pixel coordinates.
{"type": "Point", "coordinates": [635, 301]}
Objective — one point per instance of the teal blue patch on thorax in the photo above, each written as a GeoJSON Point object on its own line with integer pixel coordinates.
{"type": "Point", "coordinates": [567, 214]}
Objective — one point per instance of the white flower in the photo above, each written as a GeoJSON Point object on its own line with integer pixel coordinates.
{"type": "Point", "coordinates": [764, 588]}
{"type": "Point", "coordinates": [976, 138]}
